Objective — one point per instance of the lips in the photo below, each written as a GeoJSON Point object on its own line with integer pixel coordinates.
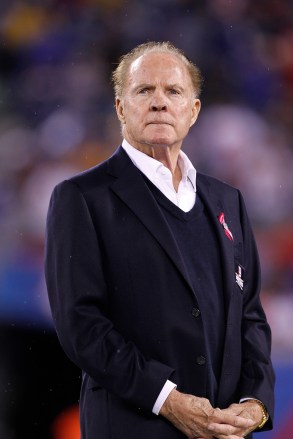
{"type": "Point", "coordinates": [158, 122]}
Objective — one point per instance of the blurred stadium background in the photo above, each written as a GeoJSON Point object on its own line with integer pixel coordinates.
{"type": "Point", "coordinates": [57, 118]}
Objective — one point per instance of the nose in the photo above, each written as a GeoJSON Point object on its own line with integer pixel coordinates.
{"type": "Point", "coordinates": [158, 107]}
{"type": "Point", "coordinates": [158, 102]}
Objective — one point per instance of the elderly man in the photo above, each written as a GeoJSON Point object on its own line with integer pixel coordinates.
{"type": "Point", "coordinates": [153, 275]}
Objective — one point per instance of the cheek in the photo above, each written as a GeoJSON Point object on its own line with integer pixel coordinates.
{"type": "Point", "coordinates": [133, 124]}
{"type": "Point", "coordinates": [134, 113]}
{"type": "Point", "coordinates": [184, 116]}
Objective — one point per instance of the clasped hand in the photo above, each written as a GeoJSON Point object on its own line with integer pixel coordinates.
{"type": "Point", "coordinates": [197, 419]}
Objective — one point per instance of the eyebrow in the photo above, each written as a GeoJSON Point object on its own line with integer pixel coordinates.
{"type": "Point", "coordinates": [178, 86]}
{"type": "Point", "coordinates": [152, 86]}
{"type": "Point", "coordinates": [144, 85]}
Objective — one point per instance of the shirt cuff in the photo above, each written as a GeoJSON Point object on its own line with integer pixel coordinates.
{"type": "Point", "coordinates": [166, 390]}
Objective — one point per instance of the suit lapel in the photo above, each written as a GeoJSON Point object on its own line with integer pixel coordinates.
{"type": "Point", "coordinates": [215, 208]}
{"type": "Point", "coordinates": [130, 187]}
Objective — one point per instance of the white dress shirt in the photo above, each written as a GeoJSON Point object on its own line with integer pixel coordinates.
{"type": "Point", "coordinates": [161, 176]}
{"type": "Point", "coordinates": [184, 198]}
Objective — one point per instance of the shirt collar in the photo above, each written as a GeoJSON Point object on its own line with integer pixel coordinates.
{"type": "Point", "coordinates": [150, 166]}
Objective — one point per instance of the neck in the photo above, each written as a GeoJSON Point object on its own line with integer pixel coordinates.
{"type": "Point", "coordinates": [168, 156]}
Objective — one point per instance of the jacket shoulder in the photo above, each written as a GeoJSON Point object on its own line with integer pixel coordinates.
{"type": "Point", "coordinates": [215, 184]}
{"type": "Point", "coordinates": [96, 177]}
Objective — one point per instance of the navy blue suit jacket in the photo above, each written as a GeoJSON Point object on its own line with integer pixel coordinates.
{"type": "Point", "coordinates": [122, 301]}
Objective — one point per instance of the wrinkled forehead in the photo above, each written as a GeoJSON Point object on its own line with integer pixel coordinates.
{"type": "Point", "coordinates": [157, 67]}
{"type": "Point", "coordinates": [155, 58]}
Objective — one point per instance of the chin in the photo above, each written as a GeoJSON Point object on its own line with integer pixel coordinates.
{"type": "Point", "coordinates": [161, 136]}
{"type": "Point", "coordinates": [160, 141]}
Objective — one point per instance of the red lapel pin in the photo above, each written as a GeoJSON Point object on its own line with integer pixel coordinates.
{"type": "Point", "coordinates": [227, 231]}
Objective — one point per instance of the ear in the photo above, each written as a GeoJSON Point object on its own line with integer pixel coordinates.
{"type": "Point", "coordinates": [195, 111]}
{"type": "Point", "coordinates": [120, 110]}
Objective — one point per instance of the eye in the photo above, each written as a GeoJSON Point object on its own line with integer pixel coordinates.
{"type": "Point", "coordinates": [173, 91]}
{"type": "Point", "coordinates": [143, 90]}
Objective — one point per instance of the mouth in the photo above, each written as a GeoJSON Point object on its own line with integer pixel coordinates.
{"type": "Point", "coordinates": [158, 122]}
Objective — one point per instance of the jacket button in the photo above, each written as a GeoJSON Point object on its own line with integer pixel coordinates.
{"type": "Point", "coordinates": [200, 360]}
{"type": "Point", "coordinates": [195, 312]}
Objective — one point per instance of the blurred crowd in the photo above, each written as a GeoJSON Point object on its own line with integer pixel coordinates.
{"type": "Point", "coordinates": [57, 118]}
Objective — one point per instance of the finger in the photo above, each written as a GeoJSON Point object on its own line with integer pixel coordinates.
{"type": "Point", "coordinates": [221, 429]}
{"type": "Point", "coordinates": [218, 417]}
{"type": "Point", "coordinates": [230, 437]}
{"type": "Point", "coordinates": [237, 426]}
{"type": "Point", "coordinates": [233, 410]}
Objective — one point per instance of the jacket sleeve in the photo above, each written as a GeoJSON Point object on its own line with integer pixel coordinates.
{"type": "Point", "coordinates": [257, 376]}
{"type": "Point", "coordinates": [79, 297]}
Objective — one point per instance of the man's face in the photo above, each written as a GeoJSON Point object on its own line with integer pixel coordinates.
{"type": "Point", "coordinates": [158, 105]}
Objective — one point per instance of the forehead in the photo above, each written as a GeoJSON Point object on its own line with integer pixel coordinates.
{"type": "Point", "coordinates": [159, 66]}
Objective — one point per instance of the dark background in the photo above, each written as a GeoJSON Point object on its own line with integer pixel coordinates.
{"type": "Point", "coordinates": [57, 118]}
